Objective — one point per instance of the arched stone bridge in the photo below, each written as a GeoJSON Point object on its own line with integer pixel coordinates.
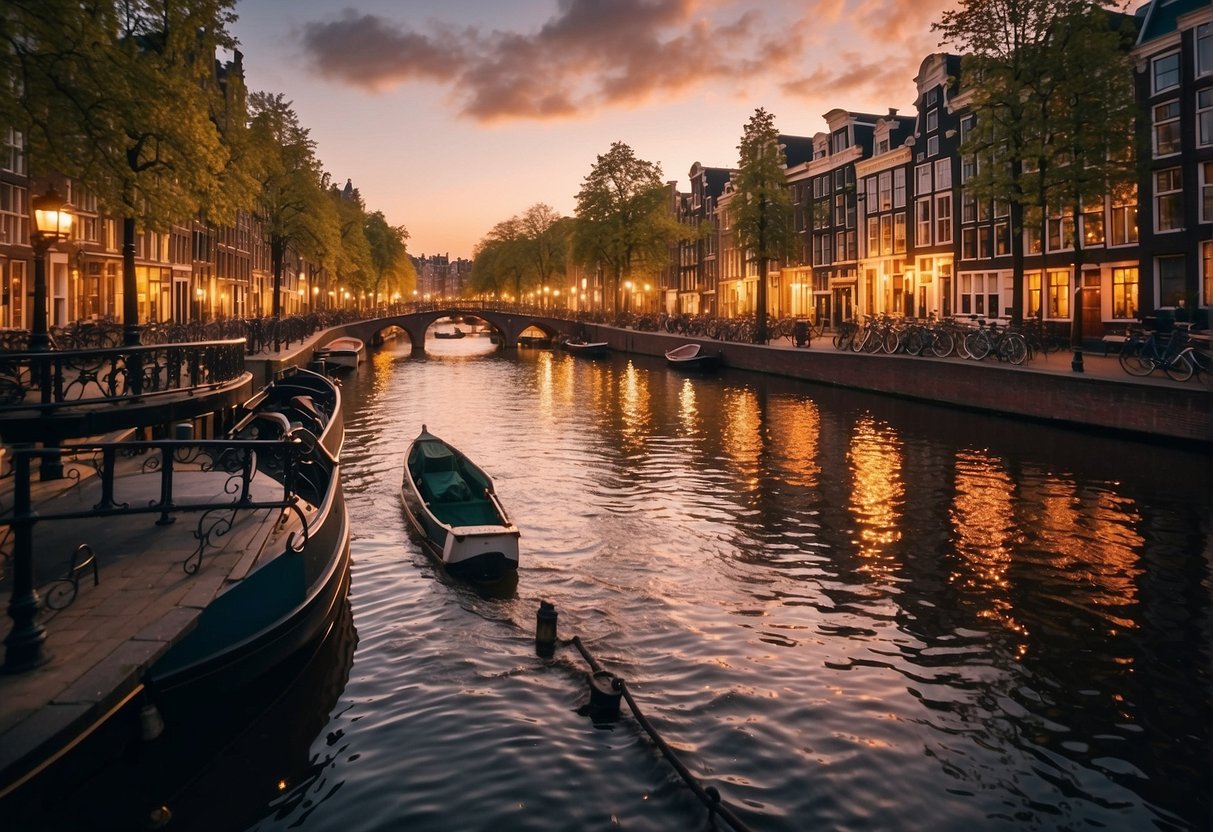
{"type": "Point", "coordinates": [508, 325]}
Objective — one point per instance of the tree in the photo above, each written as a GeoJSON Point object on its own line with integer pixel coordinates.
{"type": "Point", "coordinates": [622, 216]}
{"type": "Point", "coordinates": [352, 257]}
{"type": "Point", "coordinates": [501, 259]}
{"type": "Point", "coordinates": [389, 255]}
{"type": "Point", "coordinates": [291, 203]}
{"type": "Point", "coordinates": [1093, 143]}
{"type": "Point", "coordinates": [762, 205]}
{"type": "Point", "coordinates": [123, 97]}
{"type": "Point", "coordinates": [1003, 44]}
{"type": "Point", "coordinates": [545, 242]}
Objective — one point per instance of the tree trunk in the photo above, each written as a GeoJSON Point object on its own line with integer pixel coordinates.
{"type": "Point", "coordinates": [131, 333]}
{"type": "Point", "coordinates": [277, 255]}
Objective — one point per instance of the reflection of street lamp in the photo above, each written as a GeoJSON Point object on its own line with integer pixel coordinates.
{"type": "Point", "coordinates": [52, 224]}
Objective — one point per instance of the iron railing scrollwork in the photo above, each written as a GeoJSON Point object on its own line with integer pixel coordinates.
{"type": "Point", "coordinates": [242, 476]}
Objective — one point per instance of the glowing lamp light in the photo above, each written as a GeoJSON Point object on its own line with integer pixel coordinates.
{"type": "Point", "coordinates": [52, 217]}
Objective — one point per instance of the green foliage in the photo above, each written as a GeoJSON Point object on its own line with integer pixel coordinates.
{"type": "Point", "coordinates": [122, 96]}
{"type": "Point", "coordinates": [522, 254]}
{"type": "Point", "coordinates": [1051, 90]}
{"type": "Point", "coordinates": [624, 221]}
{"type": "Point", "coordinates": [762, 204]}
{"type": "Point", "coordinates": [389, 257]}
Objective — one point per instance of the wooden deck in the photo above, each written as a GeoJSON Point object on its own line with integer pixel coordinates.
{"type": "Point", "coordinates": [100, 644]}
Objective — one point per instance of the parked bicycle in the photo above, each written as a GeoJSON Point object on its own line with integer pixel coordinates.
{"type": "Point", "coordinates": [1143, 354]}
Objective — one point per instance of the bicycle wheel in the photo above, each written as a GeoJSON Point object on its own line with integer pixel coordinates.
{"type": "Point", "coordinates": [1179, 368]}
{"type": "Point", "coordinates": [891, 343]}
{"type": "Point", "coordinates": [943, 343]}
{"type": "Point", "coordinates": [977, 346]}
{"type": "Point", "coordinates": [1199, 359]}
{"type": "Point", "coordinates": [915, 341]}
{"type": "Point", "coordinates": [1013, 348]}
{"type": "Point", "coordinates": [1134, 363]}
{"type": "Point", "coordinates": [841, 340]}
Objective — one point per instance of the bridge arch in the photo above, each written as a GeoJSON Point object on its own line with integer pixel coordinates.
{"type": "Point", "coordinates": [510, 325]}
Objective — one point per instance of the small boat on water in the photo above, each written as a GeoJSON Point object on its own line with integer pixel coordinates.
{"type": "Point", "coordinates": [588, 349]}
{"type": "Point", "coordinates": [452, 505]}
{"type": "Point", "coordinates": [456, 333]}
{"type": "Point", "coordinates": [346, 352]}
{"type": "Point", "coordinates": [693, 357]}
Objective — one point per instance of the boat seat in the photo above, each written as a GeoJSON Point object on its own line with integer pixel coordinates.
{"type": "Point", "coordinates": [467, 513]}
{"type": "Point", "coordinates": [447, 486]}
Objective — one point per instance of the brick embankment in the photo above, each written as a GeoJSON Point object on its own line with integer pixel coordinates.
{"type": "Point", "coordinates": [1046, 389]}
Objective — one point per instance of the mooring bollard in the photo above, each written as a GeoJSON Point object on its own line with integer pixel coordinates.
{"type": "Point", "coordinates": [545, 630]}
{"type": "Point", "coordinates": [606, 689]}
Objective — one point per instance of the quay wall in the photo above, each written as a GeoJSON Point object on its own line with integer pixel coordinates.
{"type": "Point", "coordinates": [1146, 407]}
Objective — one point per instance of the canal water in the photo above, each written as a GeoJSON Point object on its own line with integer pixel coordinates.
{"type": "Point", "coordinates": [843, 611]}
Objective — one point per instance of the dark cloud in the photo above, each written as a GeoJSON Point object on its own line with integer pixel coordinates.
{"type": "Point", "coordinates": [592, 53]}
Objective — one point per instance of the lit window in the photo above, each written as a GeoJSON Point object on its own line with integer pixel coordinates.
{"type": "Point", "coordinates": [1124, 292]}
{"type": "Point", "coordinates": [1124, 216]}
{"type": "Point", "coordinates": [1059, 294]}
{"type": "Point", "coordinates": [899, 233]}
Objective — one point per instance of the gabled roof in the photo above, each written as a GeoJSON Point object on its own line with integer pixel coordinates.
{"type": "Point", "coordinates": [1159, 18]}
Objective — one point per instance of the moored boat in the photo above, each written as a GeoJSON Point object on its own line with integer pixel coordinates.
{"type": "Point", "coordinates": [588, 349]}
{"type": "Point", "coordinates": [292, 588]}
{"type": "Point", "coordinates": [455, 333]}
{"type": "Point", "coordinates": [347, 352]}
{"type": "Point", "coordinates": [451, 504]}
{"type": "Point", "coordinates": [693, 357]}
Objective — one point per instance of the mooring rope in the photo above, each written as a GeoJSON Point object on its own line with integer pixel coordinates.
{"type": "Point", "coordinates": [710, 796]}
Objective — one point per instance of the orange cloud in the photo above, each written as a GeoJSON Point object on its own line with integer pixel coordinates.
{"type": "Point", "coordinates": [592, 53]}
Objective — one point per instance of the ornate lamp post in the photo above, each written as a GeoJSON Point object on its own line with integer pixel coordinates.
{"type": "Point", "coordinates": [52, 224]}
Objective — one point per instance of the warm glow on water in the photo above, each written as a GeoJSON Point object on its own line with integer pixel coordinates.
{"type": "Point", "coordinates": [845, 612]}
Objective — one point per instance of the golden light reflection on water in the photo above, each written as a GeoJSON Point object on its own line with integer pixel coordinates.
{"type": "Point", "coordinates": [1103, 577]}
{"type": "Point", "coordinates": [634, 405]}
{"type": "Point", "coordinates": [983, 525]}
{"type": "Point", "coordinates": [877, 491]}
{"type": "Point", "coordinates": [742, 432]}
{"type": "Point", "coordinates": [795, 435]}
{"type": "Point", "coordinates": [688, 410]}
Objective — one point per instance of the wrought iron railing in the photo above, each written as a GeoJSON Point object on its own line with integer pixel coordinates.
{"type": "Point", "coordinates": [285, 468]}
{"type": "Point", "coordinates": [116, 373]}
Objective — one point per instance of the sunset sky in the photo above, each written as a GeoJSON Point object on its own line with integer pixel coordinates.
{"type": "Point", "coordinates": [450, 117]}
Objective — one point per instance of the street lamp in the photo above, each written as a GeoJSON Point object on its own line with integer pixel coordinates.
{"type": "Point", "coordinates": [52, 224]}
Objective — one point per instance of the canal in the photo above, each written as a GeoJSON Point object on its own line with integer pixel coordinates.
{"type": "Point", "coordinates": [844, 611]}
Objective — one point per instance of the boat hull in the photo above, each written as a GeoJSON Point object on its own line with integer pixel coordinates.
{"type": "Point", "coordinates": [293, 594]}
{"type": "Point", "coordinates": [346, 353]}
{"type": "Point", "coordinates": [471, 537]}
{"type": "Point", "coordinates": [592, 349]}
{"type": "Point", "coordinates": [692, 358]}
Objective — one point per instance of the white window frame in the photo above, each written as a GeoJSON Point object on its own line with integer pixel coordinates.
{"type": "Point", "coordinates": [1154, 66]}
{"type": "Point", "coordinates": [943, 218]}
{"type": "Point", "coordinates": [899, 187]}
{"type": "Point", "coordinates": [1165, 118]}
{"type": "Point", "coordinates": [1175, 191]}
{"type": "Point", "coordinates": [943, 174]}
{"type": "Point", "coordinates": [1204, 49]}
{"type": "Point", "coordinates": [1204, 117]}
{"type": "Point", "coordinates": [922, 180]}
{"type": "Point", "coordinates": [922, 219]}
{"type": "Point", "coordinates": [1205, 169]}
